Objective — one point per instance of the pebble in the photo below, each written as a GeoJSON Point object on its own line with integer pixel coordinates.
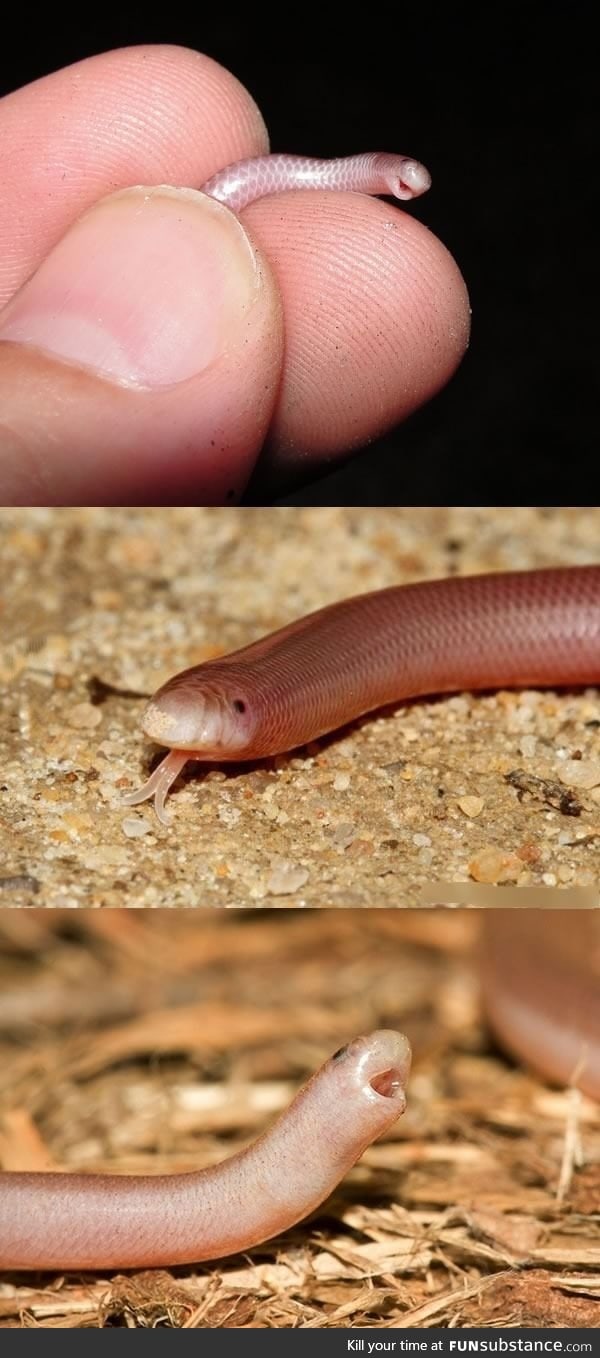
{"type": "Point", "coordinates": [229, 815]}
{"type": "Point", "coordinates": [491, 865]}
{"type": "Point", "coordinates": [83, 716]}
{"type": "Point", "coordinates": [344, 834]}
{"type": "Point", "coordinates": [111, 856]}
{"type": "Point", "coordinates": [409, 735]}
{"type": "Point", "coordinates": [528, 746]}
{"type": "Point", "coordinates": [341, 782]}
{"type": "Point", "coordinates": [565, 874]}
{"type": "Point", "coordinates": [566, 837]}
{"type": "Point", "coordinates": [583, 773]}
{"type": "Point", "coordinates": [286, 877]}
{"type": "Point", "coordinates": [135, 826]}
{"type": "Point", "coordinates": [471, 806]}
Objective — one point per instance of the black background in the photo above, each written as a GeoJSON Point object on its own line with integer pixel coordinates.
{"type": "Point", "coordinates": [501, 105]}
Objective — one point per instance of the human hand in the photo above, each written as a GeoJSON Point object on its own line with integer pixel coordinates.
{"type": "Point", "coordinates": [151, 343]}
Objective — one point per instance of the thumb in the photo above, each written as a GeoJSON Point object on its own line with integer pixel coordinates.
{"type": "Point", "coordinates": [141, 360]}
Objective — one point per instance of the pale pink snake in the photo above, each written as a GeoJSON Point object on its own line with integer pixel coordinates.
{"type": "Point", "coordinates": [502, 630]}
{"type": "Point", "coordinates": [372, 172]}
{"type": "Point", "coordinates": [541, 991]}
{"type": "Point", "coordinates": [81, 1221]}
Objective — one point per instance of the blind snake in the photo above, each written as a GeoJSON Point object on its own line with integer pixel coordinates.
{"type": "Point", "coordinates": [371, 172]}
{"type": "Point", "coordinates": [540, 974]}
{"type": "Point", "coordinates": [83, 1221]}
{"type": "Point", "coordinates": [500, 630]}
{"type": "Point", "coordinates": [541, 990]}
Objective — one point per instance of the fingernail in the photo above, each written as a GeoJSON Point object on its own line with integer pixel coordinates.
{"type": "Point", "coordinates": [147, 288]}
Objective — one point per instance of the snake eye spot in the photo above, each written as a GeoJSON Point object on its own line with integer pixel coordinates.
{"type": "Point", "coordinates": [238, 705]}
{"type": "Point", "coordinates": [339, 1053]}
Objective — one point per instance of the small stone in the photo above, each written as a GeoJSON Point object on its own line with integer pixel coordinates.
{"type": "Point", "coordinates": [583, 773]}
{"type": "Point", "coordinates": [135, 827]}
{"type": "Point", "coordinates": [491, 865]}
{"type": "Point", "coordinates": [84, 716]}
{"type": "Point", "coordinates": [458, 704]}
{"type": "Point", "coordinates": [286, 877]}
{"type": "Point", "coordinates": [341, 782]}
{"type": "Point", "coordinates": [229, 815]}
{"type": "Point", "coordinates": [343, 834]}
{"type": "Point", "coordinates": [421, 841]}
{"type": "Point", "coordinates": [361, 848]}
{"type": "Point", "coordinates": [79, 821]}
{"type": "Point", "coordinates": [101, 859]}
{"type": "Point", "coordinates": [549, 878]}
{"type": "Point", "coordinates": [258, 781]}
{"type": "Point", "coordinates": [586, 877]}
{"type": "Point", "coordinates": [471, 806]}
{"type": "Point", "coordinates": [529, 852]}
{"type": "Point", "coordinates": [527, 746]}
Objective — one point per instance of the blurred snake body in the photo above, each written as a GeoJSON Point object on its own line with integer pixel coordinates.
{"type": "Point", "coordinates": [540, 973]}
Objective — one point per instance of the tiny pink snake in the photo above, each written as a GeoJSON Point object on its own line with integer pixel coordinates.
{"type": "Point", "coordinates": [370, 172]}
{"type": "Point", "coordinates": [501, 630]}
{"type": "Point", "coordinates": [85, 1221]}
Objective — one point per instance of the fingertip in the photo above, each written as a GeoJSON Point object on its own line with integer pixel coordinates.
{"type": "Point", "coordinates": [141, 360]}
{"type": "Point", "coordinates": [438, 310]}
{"type": "Point", "coordinates": [377, 319]}
{"type": "Point", "coordinates": [151, 114]}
